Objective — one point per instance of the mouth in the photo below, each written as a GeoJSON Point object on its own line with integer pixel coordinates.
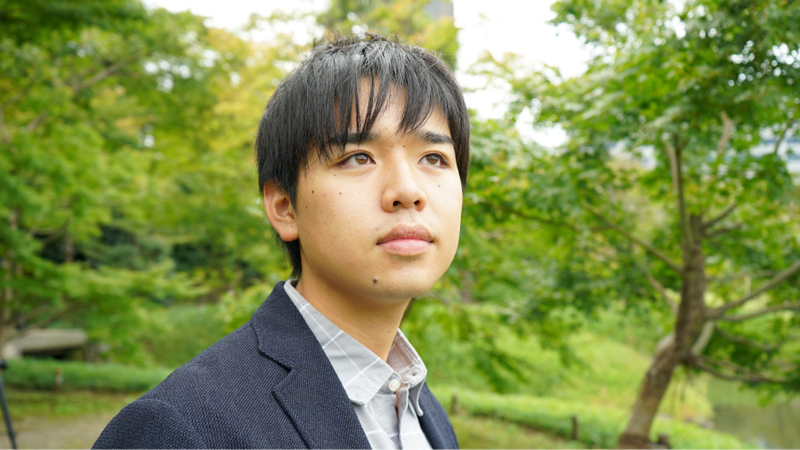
{"type": "Point", "coordinates": [406, 240]}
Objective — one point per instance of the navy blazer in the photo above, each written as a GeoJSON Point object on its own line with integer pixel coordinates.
{"type": "Point", "coordinates": [268, 384]}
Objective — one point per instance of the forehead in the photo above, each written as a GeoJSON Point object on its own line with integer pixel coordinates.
{"type": "Point", "coordinates": [390, 119]}
{"type": "Point", "coordinates": [376, 101]}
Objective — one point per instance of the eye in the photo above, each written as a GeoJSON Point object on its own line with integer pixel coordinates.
{"type": "Point", "coordinates": [357, 159]}
{"type": "Point", "coordinates": [434, 159]}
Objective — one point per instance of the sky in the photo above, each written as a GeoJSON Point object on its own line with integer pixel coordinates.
{"type": "Point", "coordinates": [497, 26]}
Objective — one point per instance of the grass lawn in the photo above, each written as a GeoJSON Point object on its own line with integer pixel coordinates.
{"type": "Point", "coordinates": [72, 419]}
{"type": "Point", "coordinates": [487, 432]}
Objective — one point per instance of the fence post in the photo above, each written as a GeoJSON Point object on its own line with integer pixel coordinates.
{"type": "Point", "coordinates": [59, 380]}
{"type": "Point", "coordinates": [575, 431]}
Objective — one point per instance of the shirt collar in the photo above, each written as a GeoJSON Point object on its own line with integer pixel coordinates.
{"type": "Point", "coordinates": [362, 373]}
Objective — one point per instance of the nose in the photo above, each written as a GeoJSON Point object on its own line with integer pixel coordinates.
{"type": "Point", "coordinates": [402, 190]}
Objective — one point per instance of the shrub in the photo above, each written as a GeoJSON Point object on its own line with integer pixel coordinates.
{"type": "Point", "coordinates": [599, 427]}
{"type": "Point", "coordinates": [41, 374]}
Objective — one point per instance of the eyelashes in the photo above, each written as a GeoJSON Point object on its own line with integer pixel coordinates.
{"type": "Point", "coordinates": [435, 159]}
{"type": "Point", "coordinates": [359, 159]}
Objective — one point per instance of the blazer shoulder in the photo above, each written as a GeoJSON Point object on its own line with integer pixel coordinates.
{"type": "Point", "coordinates": [149, 423]}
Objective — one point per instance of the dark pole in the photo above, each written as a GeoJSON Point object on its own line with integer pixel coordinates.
{"type": "Point", "coordinates": [4, 404]}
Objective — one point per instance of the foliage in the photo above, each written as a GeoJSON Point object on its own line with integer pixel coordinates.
{"type": "Point", "coordinates": [174, 335]}
{"type": "Point", "coordinates": [409, 20]}
{"type": "Point", "coordinates": [41, 374]}
{"type": "Point", "coordinates": [660, 188]}
{"type": "Point", "coordinates": [602, 371]}
{"type": "Point", "coordinates": [599, 425]}
{"type": "Point", "coordinates": [125, 176]}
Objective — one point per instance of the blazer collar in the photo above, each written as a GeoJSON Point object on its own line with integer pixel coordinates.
{"type": "Point", "coordinates": [311, 394]}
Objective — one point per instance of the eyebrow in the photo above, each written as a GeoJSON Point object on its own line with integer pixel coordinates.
{"type": "Point", "coordinates": [428, 137]}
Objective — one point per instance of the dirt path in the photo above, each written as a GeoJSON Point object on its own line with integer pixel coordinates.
{"type": "Point", "coordinates": [44, 432]}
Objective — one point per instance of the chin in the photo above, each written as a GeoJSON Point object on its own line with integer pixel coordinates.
{"type": "Point", "coordinates": [404, 286]}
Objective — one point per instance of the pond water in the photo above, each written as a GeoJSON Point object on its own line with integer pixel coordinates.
{"type": "Point", "coordinates": [773, 426]}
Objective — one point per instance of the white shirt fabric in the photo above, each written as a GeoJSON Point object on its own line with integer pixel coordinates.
{"type": "Point", "coordinates": [384, 395]}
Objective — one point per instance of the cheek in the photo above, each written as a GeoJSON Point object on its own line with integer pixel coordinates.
{"type": "Point", "coordinates": [329, 212]}
{"type": "Point", "coordinates": [450, 203]}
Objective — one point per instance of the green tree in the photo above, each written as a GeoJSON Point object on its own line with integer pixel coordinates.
{"type": "Point", "coordinates": [409, 20]}
{"type": "Point", "coordinates": [106, 116]}
{"type": "Point", "coordinates": [710, 230]}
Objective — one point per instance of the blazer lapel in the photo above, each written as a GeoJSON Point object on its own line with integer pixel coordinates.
{"type": "Point", "coordinates": [311, 394]}
{"type": "Point", "coordinates": [323, 416]}
{"type": "Point", "coordinates": [434, 422]}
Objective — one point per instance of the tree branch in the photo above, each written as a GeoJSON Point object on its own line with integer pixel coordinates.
{"type": "Point", "coordinates": [723, 230]}
{"type": "Point", "coordinates": [660, 288]}
{"type": "Point", "coordinates": [705, 337]}
{"type": "Point", "coordinates": [781, 137]}
{"type": "Point", "coordinates": [729, 209]}
{"type": "Point", "coordinates": [738, 276]}
{"type": "Point", "coordinates": [75, 77]}
{"type": "Point", "coordinates": [761, 312]}
{"type": "Point", "coordinates": [55, 316]}
{"type": "Point", "coordinates": [24, 317]}
{"type": "Point", "coordinates": [776, 280]}
{"type": "Point", "coordinates": [3, 131]}
{"type": "Point", "coordinates": [727, 130]}
{"type": "Point", "coordinates": [654, 251]}
{"type": "Point", "coordinates": [744, 341]}
{"type": "Point", "coordinates": [105, 73]}
{"type": "Point", "coordinates": [20, 95]}
{"type": "Point", "coordinates": [674, 153]}
{"type": "Point", "coordinates": [33, 124]}
{"type": "Point", "coordinates": [531, 217]}
{"type": "Point", "coordinates": [705, 363]}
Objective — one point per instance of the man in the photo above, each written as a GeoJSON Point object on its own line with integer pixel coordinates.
{"type": "Point", "coordinates": [362, 160]}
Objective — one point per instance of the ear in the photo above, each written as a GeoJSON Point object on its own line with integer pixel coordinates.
{"type": "Point", "coordinates": [280, 212]}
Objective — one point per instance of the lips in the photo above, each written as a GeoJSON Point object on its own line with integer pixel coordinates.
{"type": "Point", "coordinates": [406, 240]}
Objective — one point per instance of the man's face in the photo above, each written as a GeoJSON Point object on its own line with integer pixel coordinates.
{"type": "Point", "coordinates": [381, 220]}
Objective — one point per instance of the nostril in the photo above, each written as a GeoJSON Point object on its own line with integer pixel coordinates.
{"type": "Point", "coordinates": [396, 202]}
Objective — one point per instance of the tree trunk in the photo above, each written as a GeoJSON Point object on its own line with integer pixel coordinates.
{"type": "Point", "coordinates": [654, 386]}
{"type": "Point", "coordinates": [7, 296]}
{"type": "Point", "coordinates": [688, 325]}
{"type": "Point", "coordinates": [5, 299]}
{"type": "Point", "coordinates": [465, 290]}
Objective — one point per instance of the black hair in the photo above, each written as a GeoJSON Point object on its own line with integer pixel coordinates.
{"type": "Point", "coordinates": [314, 107]}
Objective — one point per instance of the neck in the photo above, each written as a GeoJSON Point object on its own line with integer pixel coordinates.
{"type": "Point", "coordinates": [372, 322]}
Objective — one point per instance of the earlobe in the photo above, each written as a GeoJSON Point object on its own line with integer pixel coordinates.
{"type": "Point", "coordinates": [280, 212]}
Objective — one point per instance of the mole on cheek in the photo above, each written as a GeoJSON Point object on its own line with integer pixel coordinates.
{"type": "Point", "coordinates": [375, 280]}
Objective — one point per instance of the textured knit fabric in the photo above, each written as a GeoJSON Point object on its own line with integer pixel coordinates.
{"type": "Point", "coordinates": [266, 385]}
{"type": "Point", "coordinates": [385, 395]}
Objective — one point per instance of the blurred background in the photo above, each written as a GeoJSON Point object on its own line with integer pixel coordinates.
{"type": "Point", "coordinates": [629, 261]}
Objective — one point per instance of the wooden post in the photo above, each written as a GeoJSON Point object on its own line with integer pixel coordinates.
{"type": "Point", "coordinates": [575, 430]}
{"type": "Point", "coordinates": [59, 381]}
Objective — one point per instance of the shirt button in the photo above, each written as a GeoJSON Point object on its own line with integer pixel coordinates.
{"type": "Point", "coordinates": [394, 385]}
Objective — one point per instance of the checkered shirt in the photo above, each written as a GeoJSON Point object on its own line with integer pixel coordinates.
{"type": "Point", "coordinates": [384, 395]}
